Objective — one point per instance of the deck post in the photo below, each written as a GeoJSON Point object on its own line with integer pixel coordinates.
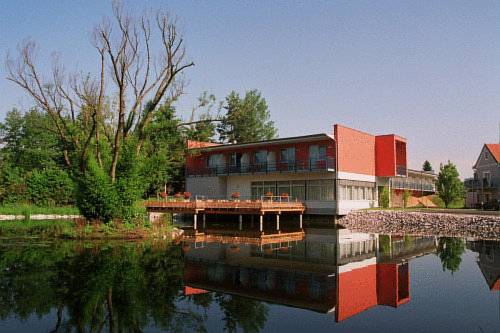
{"type": "Point", "coordinates": [204, 221]}
{"type": "Point", "coordinates": [278, 222]}
{"type": "Point", "coordinates": [261, 223]}
{"type": "Point", "coordinates": [195, 221]}
{"type": "Point", "coordinates": [300, 221]}
{"type": "Point", "coordinates": [240, 225]}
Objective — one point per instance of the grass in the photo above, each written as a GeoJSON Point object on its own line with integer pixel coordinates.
{"type": "Point", "coordinates": [456, 204]}
{"type": "Point", "coordinates": [43, 229]}
{"type": "Point", "coordinates": [27, 210]}
{"type": "Point", "coordinates": [81, 229]}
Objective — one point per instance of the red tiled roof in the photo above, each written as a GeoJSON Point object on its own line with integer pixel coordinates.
{"type": "Point", "coordinates": [494, 149]}
{"type": "Point", "coordinates": [200, 144]}
{"type": "Point", "coordinates": [496, 285]}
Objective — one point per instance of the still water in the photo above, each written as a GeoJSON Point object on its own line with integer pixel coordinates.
{"type": "Point", "coordinates": [323, 280]}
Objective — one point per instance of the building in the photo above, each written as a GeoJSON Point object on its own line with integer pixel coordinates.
{"type": "Point", "coordinates": [331, 173]}
{"type": "Point", "coordinates": [483, 189]}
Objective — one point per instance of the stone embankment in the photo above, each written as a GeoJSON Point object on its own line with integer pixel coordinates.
{"type": "Point", "coordinates": [39, 217]}
{"type": "Point", "coordinates": [423, 223]}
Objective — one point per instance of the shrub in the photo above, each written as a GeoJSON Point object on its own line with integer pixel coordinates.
{"type": "Point", "coordinates": [384, 197]}
{"type": "Point", "coordinates": [97, 198]}
{"type": "Point", "coordinates": [50, 187]}
{"type": "Point", "coordinates": [406, 198]}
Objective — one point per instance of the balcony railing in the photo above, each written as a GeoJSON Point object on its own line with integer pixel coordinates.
{"type": "Point", "coordinates": [472, 183]}
{"type": "Point", "coordinates": [309, 165]}
{"type": "Point", "coordinates": [412, 185]}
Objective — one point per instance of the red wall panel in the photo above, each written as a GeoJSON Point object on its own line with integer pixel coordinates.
{"type": "Point", "coordinates": [355, 151]}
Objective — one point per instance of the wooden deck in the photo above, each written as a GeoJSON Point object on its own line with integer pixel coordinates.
{"type": "Point", "coordinates": [243, 207]}
{"type": "Point", "coordinates": [218, 236]}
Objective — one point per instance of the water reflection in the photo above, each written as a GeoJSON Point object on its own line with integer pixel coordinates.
{"type": "Point", "coordinates": [97, 287]}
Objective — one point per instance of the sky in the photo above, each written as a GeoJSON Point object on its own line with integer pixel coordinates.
{"type": "Point", "coordinates": [426, 70]}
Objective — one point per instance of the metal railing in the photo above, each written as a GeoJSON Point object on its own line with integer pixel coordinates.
{"type": "Point", "coordinates": [265, 167]}
{"type": "Point", "coordinates": [412, 185]}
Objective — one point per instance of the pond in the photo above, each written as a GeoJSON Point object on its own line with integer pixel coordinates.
{"type": "Point", "coordinates": [325, 280]}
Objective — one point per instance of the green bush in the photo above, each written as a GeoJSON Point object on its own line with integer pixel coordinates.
{"type": "Point", "coordinates": [97, 197]}
{"type": "Point", "coordinates": [50, 187]}
{"type": "Point", "coordinates": [384, 197]}
{"type": "Point", "coordinates": [406, 197]}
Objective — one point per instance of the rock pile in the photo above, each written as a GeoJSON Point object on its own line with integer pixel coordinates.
{"type": "Point", "coordinates": [423, 223]}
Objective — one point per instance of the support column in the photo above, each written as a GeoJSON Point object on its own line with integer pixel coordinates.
{"type": "Point", "coordinates": [261, 223]}
{"type": "Point", "coordinates": [300, 221]}
{"type": "Point", "coordinates": [195, 221]}
{"type": "Point", "coordinates": [278, 222]}
{"type": "Point", "coordinates": [204, 221]}
{"type": "Point", "coordinates": [240, 225]}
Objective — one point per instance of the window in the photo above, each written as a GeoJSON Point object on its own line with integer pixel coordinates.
{"type": "Point", "coordinates": [317, 153]}
{"type": "Point", "coordinates": [320, 190]}
{"type": "Point", "coordinates": [260, 157]}
{"type": "Point", "coordinates": [298, 189]}
{"type": "Point", "coordinates": [261, 188]}
{"type": "Point", "coordinates": [283, 187]}
{"type": "Point", "coordinates": [487, 177]}
{"type": "Point", "coordinates": [486, 155]}
{"type": "Point", "coordinates": [287, 157]}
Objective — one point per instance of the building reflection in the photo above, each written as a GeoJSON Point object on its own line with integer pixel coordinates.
{"type": "Point", "coordinates": [488, 261]}
{"type": "Point", "coordinates": [334, 271]}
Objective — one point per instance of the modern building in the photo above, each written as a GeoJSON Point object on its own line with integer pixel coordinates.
{"type": "Point", "coordinates": [484, 188]}
{"type": "Point", "coordinates": [331, 173]}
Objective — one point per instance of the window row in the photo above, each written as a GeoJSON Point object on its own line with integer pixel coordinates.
{"type": "Point", "coordinates": [314, 190]}
{"type": "Point", "coordinates": [350, 192]}
{"type": "Point", "coordinates": [287, 155]}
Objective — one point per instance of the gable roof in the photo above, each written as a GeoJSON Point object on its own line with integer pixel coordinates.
{"type": "Point", "coordinates": [494, 149]}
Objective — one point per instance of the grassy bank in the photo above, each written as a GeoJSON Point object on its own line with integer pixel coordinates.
{"type": "Point", "coordinates": [79, 229]}
{"type": "Point", "coordinates": [27, 210]}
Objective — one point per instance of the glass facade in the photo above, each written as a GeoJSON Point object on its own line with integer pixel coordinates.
{"type": "Point", "coordinates": [313, 190]}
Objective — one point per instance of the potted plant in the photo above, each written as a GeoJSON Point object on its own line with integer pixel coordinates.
{"type": "Point", "coordinates": [235, 196]}
{"type": "Point", "coordinates": [177, 196]}
{"type": "Point", "coordinates": [163, 194]}
{"type": "Point", "coordinates": [187, 195]}
{"type": "Point", "coordinates": [284, 196]}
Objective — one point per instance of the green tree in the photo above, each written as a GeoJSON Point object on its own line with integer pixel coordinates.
{"type": "Point", "coordinates": [384, 197]}
{"type": "Point", "coordinates": [448, 185]}
{"type": "Point", "coordinates": [247, 119]}
{"type": "Point", "coordinates": [427, 166]}
{"type": "Point", "coordinates": [450, 252]}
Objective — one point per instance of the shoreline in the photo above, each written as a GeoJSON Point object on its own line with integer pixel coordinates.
{"type": "Point", "coordinates": [444, 224]}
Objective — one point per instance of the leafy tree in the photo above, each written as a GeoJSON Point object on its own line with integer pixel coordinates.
{"type": "Point", "coordinates": [450, 252]}
{"type": "Point", "coordinates": [448, 185]}
{"type": "Point", "coordinates": [384, 197]}
{"type": "Point", "coordinates": [50, 187]}
{"type": "Point", "coordinates": [247, 119]}
{"type": "Point", "coordinates": [427, 166]}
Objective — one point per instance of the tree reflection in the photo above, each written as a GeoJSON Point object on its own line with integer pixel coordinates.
{"type": "Point", "coordinates": [95, 287]}
{"type": "Point", "coordinates": [249, 314]}
{"type": "Point", "coordinates": [450, 252]}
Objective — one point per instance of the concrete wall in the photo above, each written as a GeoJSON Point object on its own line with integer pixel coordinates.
{"type": "Point", "coordinates": [211, 187]}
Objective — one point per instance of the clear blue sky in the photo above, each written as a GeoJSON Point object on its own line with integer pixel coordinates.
{"type": "Point", "coordinates": [426, 70]}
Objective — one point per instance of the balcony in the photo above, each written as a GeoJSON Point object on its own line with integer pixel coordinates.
{"type": "Point", "coordinates": [404, 184]}
{"type": "Point", "coordinates": [310, 165]}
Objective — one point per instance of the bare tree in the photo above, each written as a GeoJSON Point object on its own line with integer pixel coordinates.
{"type": "Point", "coordinates": [122, 98]}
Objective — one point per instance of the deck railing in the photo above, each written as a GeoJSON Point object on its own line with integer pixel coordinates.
{"type": "Point", "coordinates": [327, 164]}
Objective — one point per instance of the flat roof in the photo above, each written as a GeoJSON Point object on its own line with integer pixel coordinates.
{"type": "Point", "coordinates": [293, 139]}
